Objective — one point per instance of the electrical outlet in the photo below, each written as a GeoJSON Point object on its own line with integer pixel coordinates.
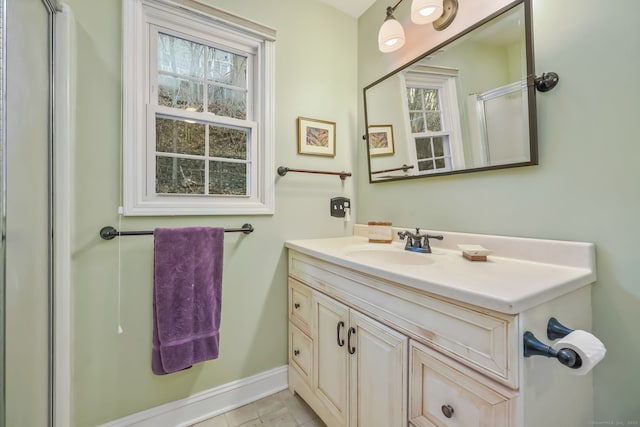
{"type": "Point", "coordinates": [338, 205]}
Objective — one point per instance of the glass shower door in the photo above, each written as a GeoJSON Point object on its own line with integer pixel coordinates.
{"type": "Point", "coordinates": [26, 285]}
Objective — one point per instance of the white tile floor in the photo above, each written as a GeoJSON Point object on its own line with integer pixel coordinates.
{"type": "Point", "coordinates": [282, 409]}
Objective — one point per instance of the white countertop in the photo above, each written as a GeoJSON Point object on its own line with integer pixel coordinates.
{"type": "Point", "coordinates": [542, 271]}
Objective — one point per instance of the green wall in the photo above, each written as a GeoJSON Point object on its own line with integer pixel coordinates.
{"type": "Point", "coordinates": [585, 188]}
{"type": "Point", "coordinates": [316, 76]}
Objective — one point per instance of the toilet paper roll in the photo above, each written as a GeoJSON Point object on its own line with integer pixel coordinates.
{"type": "Point", "coordinates": [589, 348]}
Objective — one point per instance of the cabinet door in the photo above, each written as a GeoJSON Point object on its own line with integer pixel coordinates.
{"type": "Point", "coordinates": [330, 379]}
{"type": "Point", "coordinates": [378, 374]}
{"type": "Point", "coordinates": [445, 393]}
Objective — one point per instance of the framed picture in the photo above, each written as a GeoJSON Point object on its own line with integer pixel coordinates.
{"type": "Point", "coordinates": [381, 140]}
{"type": "Point", "coordinates": [317, 137]}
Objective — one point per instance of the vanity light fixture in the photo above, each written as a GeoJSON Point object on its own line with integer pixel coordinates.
{"type": "Point", "coordinates": [440, 12]}
{"type": "Point", "coordinates": [425, 11]}
{"type": "Point", "coordinates": [391, 34]}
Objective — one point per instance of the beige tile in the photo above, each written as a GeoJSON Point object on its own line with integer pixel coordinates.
{"type": "Point", "coordinates": [268, 405]}
{"type": "Point", "coordinates": [218, 421]}
{"type": "Point", "coordinates": [279, 418]}
{"type": "Point", "coordinates": [284, 394]}
{"type": "Point", "coordinates": [242, 415]}
{"type": "Point", "coordinates": [314, 423]}
{"type": "Point", "coordinates": [283, 409]}
{"type": "Point", "coordinates": [299, 409]}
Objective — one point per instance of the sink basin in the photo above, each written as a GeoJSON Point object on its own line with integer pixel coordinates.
{"type": "Point", "coordinates": [387, 256]}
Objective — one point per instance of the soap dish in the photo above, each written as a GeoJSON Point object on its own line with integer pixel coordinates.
{"type": "Point", "coordinates": [475, 252]}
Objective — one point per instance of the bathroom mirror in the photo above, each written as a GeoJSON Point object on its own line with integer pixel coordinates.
{"type": "Point", "coordinates": [464, 106]}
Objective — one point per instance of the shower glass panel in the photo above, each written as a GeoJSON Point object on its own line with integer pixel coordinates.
{"type": "Point", "coordinates": [504, 124]}
{"type": "Point", "coordinates": [26, 207]}
{"type": "Point", "coordinates": [3, 192]}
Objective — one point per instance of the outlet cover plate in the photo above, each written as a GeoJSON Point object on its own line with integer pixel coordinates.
{"type": "Point", "coordinates": [338, 205]}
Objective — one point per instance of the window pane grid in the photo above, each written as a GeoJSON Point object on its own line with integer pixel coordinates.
{"type": "Point", "coordinates": [432, 153]}
{"type": "Point", "coordinates": [425, 111]}
{"type": "Point", "coordinates": [191, 75]}
{"type": "Point", "coordinates": [200, 156]}
{"type": "Point", "coordinates": [185, 163]}
{"type": "Point", "coordinates": [426, 121]}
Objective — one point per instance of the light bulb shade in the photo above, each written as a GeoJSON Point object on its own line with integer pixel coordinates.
{"type": "Point", "coordinates": [425, 11]}
{"type": "Point", "coordinates": [390, 36]}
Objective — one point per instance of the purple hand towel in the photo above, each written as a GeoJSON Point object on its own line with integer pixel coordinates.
{"type": "Point", "coordinates": [187, 297]}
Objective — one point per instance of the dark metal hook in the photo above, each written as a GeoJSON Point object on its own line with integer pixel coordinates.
{"type": "Point", "coordinates": [547, 81]}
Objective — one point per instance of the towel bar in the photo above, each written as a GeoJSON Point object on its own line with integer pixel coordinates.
{"type": "Point", "coordinates": [403, 168]}
{"type": "Point", "coordinates": [282, 171]}
{"type": "Point", "coordinates": [109, 233]}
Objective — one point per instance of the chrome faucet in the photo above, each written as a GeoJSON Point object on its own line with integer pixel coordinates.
{"type": "Point", "coordinates": [417, 242]}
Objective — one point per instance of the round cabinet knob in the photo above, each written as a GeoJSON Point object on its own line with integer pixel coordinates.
{"type": "Point", "coordinates": [296, 305]}
{"type": "Point", "coordinates": [296, 352]}
{"type": "Point", "coordinates": [447, 410]}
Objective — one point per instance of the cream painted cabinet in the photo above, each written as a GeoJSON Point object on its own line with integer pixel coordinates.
{"type": "Point", "coordinates": [368, 351]}
{"type": "Point", "coordinates": [378, 372]}
{"type": "Point", "coordinates": [359, 374]}
{"type": "Point", "coordinates": [331, 370]}
{"type": "Point", "coordinates": [446, 393]}
{"type": "Point", "coordinates": [300, 343]}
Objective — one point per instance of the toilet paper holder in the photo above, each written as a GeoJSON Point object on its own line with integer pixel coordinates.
{"type": "Point", "coordinates": [555, 330]}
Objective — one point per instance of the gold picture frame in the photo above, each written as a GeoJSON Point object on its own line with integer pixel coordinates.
{"type": "Point", "coordinates": [381, 140]}
{"type": "Point", "coordinates": [316, 137]}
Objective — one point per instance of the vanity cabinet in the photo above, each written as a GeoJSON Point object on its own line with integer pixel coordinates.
{"type": "Point", "coordinates": [351, 361]}
{"type": "Point", "coordinates": [368, 348]}
{"type": "Point", "coordinates": [355, 374]}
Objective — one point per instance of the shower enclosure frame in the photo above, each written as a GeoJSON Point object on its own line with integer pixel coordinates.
{"type": "Point", "coordinates": [58, 381]}
{"type": "Point", "coordinates": [3, 202]}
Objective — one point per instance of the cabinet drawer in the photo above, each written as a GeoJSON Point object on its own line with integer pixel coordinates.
{"type": "Point", "coordinates": [300, 305]}
{"type": "Point", "coordinates": [301, 352]}
{"type": "Point", "coordinates": [446, 393]}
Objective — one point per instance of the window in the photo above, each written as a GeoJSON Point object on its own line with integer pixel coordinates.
{"type": "Point", "coordinates": [198, 114]}
{"type": "Point", "coordinates": [425, 116]}
{"type": "Point", "coordinates": [433, 119]}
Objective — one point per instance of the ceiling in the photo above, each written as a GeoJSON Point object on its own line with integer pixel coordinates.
{"type": "Point", "coordinates": [351, 7]}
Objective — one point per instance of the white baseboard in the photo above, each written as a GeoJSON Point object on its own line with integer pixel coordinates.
{"type": "Point", "coordinates": [209, 403]}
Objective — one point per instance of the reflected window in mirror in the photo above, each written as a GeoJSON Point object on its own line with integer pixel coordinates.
{"type": "Point", "coordinates": [432, 118]}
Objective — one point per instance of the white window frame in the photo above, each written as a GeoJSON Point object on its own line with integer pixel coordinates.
{"type": "Point", "coordinates": [444, 80]}
{"type": "Point", "coordinates": [210, 26]}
